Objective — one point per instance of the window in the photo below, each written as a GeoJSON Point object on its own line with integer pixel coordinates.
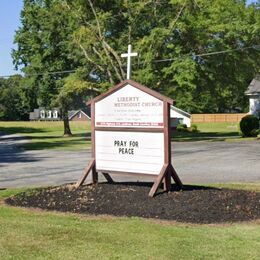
{"type": "Point", "coordinates": [49, 114]}
{"type": "Point", "coordinates": [55, 114]}
{"type": "Point", "coordinates": [79, 114]}
{"type": "Point", "coordinates": [42, 114]}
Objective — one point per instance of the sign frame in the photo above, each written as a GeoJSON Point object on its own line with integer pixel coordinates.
{"type": "Point", "coordinates": [167, 171]}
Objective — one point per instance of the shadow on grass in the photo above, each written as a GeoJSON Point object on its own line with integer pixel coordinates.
{"type": "Point", "coordinates": [42, 138]}
{"type": "Point", "coordinates": [59, 144]}
{"type": "Point", "coordinates": [69, 138]}
{"type": "Point", "coordinates": [21, 130]}
{"type": "Point", "coordinates": [204, 136]}
{"type": "Point", "coordinates": [12, 138]}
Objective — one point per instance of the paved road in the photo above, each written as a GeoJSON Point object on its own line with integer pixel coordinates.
{"type": "Point", "coordinates": [195, 162]}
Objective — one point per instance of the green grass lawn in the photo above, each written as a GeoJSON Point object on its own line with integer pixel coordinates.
{"type": "Point", "coordinates": [211, 132]}
{"type": "Point", "coordinates": [35, 234]}
{"type": "Point", "coordinates": [49, 135]}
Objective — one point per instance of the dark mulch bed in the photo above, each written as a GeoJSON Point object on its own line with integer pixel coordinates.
{"type": "Point", "coordinates": [193, 204]}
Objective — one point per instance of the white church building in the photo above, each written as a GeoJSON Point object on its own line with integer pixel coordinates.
{"type": "Point", "coordinates": [253, 92]}
{"type": "Point", "coordinates": [179, 116]}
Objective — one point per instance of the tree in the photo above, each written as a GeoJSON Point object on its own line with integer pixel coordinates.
{"type": "Point", "coordinates": [43, 47]}
{"type": "Point", "coordinates": [173, 38]}
{"type": "Point", "coordinates": [75, 87]}
{"type": "Point", "coordinates": [13, 99]}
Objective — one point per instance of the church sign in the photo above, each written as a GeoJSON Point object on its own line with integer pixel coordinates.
{"type": "Point", "coordinates": [129, 107]}
{"type": "Point", "coordinates": [131, 134]}
{"type": "Point", "coordinates": [132, 152]}
{"type": "Point", "coordinates": [129, 151]}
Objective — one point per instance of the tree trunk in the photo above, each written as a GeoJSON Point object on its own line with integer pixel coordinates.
{"type": "Point", "coordinates": [67, 131]}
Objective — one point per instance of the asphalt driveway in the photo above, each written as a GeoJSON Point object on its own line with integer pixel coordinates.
{"type": "Point", "coordinates": [195, 162]}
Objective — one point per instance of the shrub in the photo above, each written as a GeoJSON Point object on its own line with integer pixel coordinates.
{"type": "Point", "coordinates": [193, 128]}
{"type": "Point", "coordinates": [249, 126]}
{"type": "Point", "coordinates": [182, 128]}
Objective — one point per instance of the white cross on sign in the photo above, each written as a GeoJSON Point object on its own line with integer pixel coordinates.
{"type": "Point", "coordinates": [128, 55]}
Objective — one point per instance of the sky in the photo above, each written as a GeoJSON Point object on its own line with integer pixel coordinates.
{"type": "Point", "coordinates": [9, 23]}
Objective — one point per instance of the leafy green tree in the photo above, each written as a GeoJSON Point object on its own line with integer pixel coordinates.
{"type": "Point", "coordinates": [75, 87]}
{"type": "Point", "coordinates": [180, 44]}
{"type": "Point", "coordinates": [43, 47]}
{"type": "Point", "coordinates": [172, 39]}
{"type": "Point", "coordinates": [13, 99]}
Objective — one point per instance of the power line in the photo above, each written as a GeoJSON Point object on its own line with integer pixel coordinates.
{"type": "Point", "coordinates": [40, 74]}
{"type": "Point", "coordinates": [209, 53]}
{"type": "Point", "coordinates": [226, 51]}
{"type": "Point", "coordinates": [154, 61]}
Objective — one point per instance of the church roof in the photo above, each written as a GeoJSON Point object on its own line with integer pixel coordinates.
{"type": "Point", "coordinates": [182, 112]}
{"type": "Point", "coordinates": [85, 111]}
{"type": "Point", "coordinates": [254, 87]}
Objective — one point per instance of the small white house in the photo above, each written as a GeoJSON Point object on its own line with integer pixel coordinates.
{"type": "Point", "coordinates": [55, 113]}
{"type": "Point", "coordinates": [45, 115]}
{"type": "Point", "coordinates": [253, 92]}
{"type": "Point", "coordinates": [42, 113]}
{"type": "Point", "coordinates": [179, 116]}
{"type": "Point", "coordinates": [49, 114]}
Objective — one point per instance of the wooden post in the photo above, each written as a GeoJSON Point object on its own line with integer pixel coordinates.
{"type": "Point", "coordinates": [167, 145]}
{"type": "Point", "coordinates": [175, 176]}
{"type": "Point", "coordinates": [86, 172]}
{"type": "Point", "coordinates": [158, 180]}
{"type": "Point", "coordinates": [108, 177]}
{"type": "Point", "coordinates": [94, 175]}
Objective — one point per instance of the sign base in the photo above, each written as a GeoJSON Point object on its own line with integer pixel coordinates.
{"type": "Point", "coordinates": [167, 172]}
